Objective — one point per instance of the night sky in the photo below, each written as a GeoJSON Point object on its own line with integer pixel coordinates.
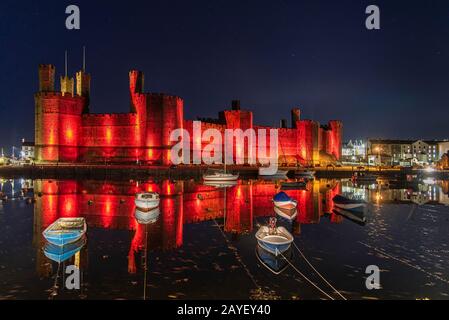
{"type": "Point", "coordinates": [272, 55]}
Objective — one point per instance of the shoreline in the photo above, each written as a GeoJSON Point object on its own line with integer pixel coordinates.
{"type": "Point", "coordinates": [114, 172]}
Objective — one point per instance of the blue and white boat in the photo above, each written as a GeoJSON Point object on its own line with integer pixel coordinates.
{"type": "Point", "coordinates": [275, 240]}
{"type": "Point", "coordinates": [282, 200]}
{"type": "Point", "coordinates": [63, 253]}
{"type": "Point", "coordinates": [65, 230]}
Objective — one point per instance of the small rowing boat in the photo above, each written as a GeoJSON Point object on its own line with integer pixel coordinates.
{"type": "Point", "coordinates": [65, 230]}
{"type": "Point", "coordinates": [147, 201]}
{"type": "Point", "coordinates": [274, 239]}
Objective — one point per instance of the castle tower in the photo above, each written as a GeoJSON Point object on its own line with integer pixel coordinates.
{"type": "Point", "coordinates": [46, 78]}
{"type": "Point", "coordinates": [335, 138]}
{"type": "Point", "coordinates": [296, 116]}
{"type": "Point", "coordinates": [136, 85]}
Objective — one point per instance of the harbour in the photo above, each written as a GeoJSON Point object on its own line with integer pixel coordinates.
{"type": "Point", "coordinates": [202, 245]}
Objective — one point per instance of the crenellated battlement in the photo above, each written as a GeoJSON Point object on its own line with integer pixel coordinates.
{"type": "Point", "coordinates": [110, 115]}
{"type": "Point", "coordinates": [57, 94]}
{"type": "Point", "coordinates": [164, 96]}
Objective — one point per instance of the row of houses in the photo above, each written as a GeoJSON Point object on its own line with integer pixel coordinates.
{"type": "Point", "coordinates": [395, 152]}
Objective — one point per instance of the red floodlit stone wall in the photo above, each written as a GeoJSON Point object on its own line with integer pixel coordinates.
{"type": "Point", "coordinates": [65, 131]}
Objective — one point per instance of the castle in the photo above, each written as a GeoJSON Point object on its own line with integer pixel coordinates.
{"type": "Point", "coordinates": [67, 132]}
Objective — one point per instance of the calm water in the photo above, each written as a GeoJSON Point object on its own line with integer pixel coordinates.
{"type": "Point", "coordinates": [202, 245]}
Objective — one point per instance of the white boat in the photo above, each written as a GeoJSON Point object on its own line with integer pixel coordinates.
{"type": "Point", "coordinates": [148, 217]}
{"type": "Point", "coordinates": [289, 214]}
{"type": "Point", "coordinates": [65, 230]}
{"type": "Point", "coordinates": [275, 240]}
{"type": "Point", "coordinates": [349, 204]}
{"type": "Point", "coordinates": [147, 201]}
{"type": "Point", "coordinates": [220, 176]}
{"type": "Point", "coordinates": [278, 173]}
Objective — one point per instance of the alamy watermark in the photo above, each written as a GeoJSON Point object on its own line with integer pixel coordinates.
{"type": "Point", "coordinates": [373, 20]}
{"type": "Point", "coordinates": [73, 21]}
{"type": "Point", "coordinates": [190, 150]}
{"type": "Point", "coordinates": [373, 280]}
{"type": "Point", "coordinates": [73, 280]}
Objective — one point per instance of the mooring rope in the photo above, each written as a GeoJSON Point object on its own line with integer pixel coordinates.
{"type": "Point", "coordinates": [54, 290]}
{"type": "Point", "coordinates": [239, 259]}
{"type": "Point", "coordinates": [304, 276]}
{"type": "Point", "coordinates": [317, 272]}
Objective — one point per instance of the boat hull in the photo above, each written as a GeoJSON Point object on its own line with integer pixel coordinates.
{"type": "Point", "coordinates": [275, 264]}
{"type": "Point", "coordinates": [147, 217]}
{"type": "Point", "coordinates": [351, 207]}
{"type": "Point", "coordinates": [288, 214]}
{"type": "Point", "coordinates": [218, 184]}
{"type": "Point", "coordinates": [213, 178]}
{"type": "Point", "coordinates": [274, 249]}
{"type": "Point", "coordinates": [146, 205]}
{"type": "Point", "coordinates": [292, 204]}
{"type": "Point", "coordinates": [63, 253]}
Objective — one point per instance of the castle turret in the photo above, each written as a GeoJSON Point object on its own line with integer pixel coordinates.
{"type": "Point", "coordinates": [83, 88]}
{"type": "Point", "coordinates": [46, 78]}
{"type": "Point", "coordinates": [67, 86]}
{"type": "Point", "coordinates": [136, 85]}
{"type": "Point", "coordinates": [296, 116]}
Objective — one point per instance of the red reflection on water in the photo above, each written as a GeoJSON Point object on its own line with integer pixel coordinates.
{"type": "Point", "coordinates": [110, 205]}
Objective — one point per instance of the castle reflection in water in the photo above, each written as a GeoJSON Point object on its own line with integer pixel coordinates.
{"type": "Point", "coordinates": [110, 205]}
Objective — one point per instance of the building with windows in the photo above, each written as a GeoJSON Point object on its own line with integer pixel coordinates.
{"type": "Point", "coordinates": [27, 152]}
{"type": "Point", "coordinates": [406, 152]}
{"type": "Point", "coordinates": [354, 151]}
